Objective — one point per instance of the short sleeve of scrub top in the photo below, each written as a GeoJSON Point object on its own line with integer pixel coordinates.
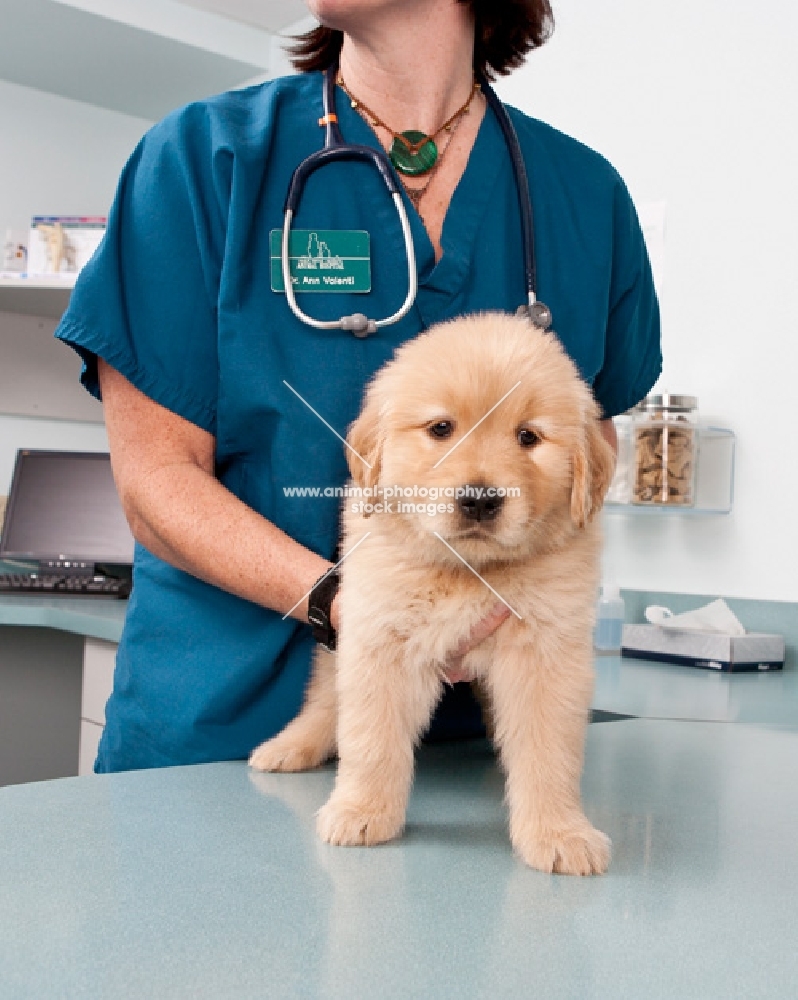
{"type": "Point", "coordinates": [179, 299]}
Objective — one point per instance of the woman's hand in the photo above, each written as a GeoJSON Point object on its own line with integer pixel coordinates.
{"type": "Point", "coordinates": [484, 628]}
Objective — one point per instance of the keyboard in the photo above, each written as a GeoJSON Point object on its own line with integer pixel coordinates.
{"type": "Point", "coordinates": [57, 584]}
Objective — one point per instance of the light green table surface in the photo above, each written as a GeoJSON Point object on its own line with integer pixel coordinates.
{"type": "Point", "coordinates": [652, 690]}
{"type": "Point", "coordinates": [624, 686]}
{"type": "Point", "coordinates": [209, 882]}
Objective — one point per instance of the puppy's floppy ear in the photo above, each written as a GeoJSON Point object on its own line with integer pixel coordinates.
{"type": "Point", "coordinates": [365, 440]}
{"type": "Point", "coordinates": [593, 469]}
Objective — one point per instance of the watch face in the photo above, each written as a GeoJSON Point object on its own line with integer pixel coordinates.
{"type": "Point", "coordinates": [317, 617]}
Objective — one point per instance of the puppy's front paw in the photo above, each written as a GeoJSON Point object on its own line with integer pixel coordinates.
{"type": "Point", "coordinates": [577, 850]}
{"type": "Point", "coordinates": [282, 753]}
{"type": "Point", "coordinates": [354, 824]}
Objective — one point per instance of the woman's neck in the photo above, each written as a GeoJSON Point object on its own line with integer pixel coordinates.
{"type": "Point", "coordinates": [412, 70]}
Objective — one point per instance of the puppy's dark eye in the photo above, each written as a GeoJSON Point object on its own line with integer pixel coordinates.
{"type": "Point", "coordinates": [441, 429]}
{"type": "Point", "coordinates": [527, 438]}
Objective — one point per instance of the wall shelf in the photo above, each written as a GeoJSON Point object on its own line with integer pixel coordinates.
{"type": "Point", "coordinates": [39, 376]}
{"type": "Point", "coordinates": [46, 297]}
{"type": "Point", "coordinates": [714, 489]}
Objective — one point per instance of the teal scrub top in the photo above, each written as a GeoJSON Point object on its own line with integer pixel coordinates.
{"type": "Point", "coordinates": [178, 299]}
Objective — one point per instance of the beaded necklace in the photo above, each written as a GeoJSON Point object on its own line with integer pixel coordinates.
{"type": "Point", "coordinates": [414, 153]}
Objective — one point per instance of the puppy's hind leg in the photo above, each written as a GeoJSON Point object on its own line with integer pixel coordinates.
{"type": "Point", "coordinates": [384, 704]}
{"type": "Point", "coordinates": [309, 739]}
{"type": "Point", "coordinates": [541, 699]}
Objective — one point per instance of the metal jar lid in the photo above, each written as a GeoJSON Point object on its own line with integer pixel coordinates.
{"type": "Point", "coordinates": [669, 401]}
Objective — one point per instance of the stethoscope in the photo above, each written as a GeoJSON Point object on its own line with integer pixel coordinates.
{"type": "Point", "coordinates": [336, 149]}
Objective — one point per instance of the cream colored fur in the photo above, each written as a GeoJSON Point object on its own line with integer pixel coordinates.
{"type": "Point", "coordinates": [407, 601]}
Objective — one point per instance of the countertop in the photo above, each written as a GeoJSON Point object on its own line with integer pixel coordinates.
{"type": "Point", "coordinates": [654, 690]}
{"type": "Point", "coordinates": [99, 618]}
{"type": "Point", "coordinates": [209, 881]}
{"type": "Point", "coordinates": [624, 686]}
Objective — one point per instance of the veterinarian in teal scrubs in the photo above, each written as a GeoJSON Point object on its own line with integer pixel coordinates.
{"type": "Point", "coordinates": [179, 302]}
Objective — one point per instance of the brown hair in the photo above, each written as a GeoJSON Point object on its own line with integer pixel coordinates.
{"type": "Point", "coordinates": [506, 30]}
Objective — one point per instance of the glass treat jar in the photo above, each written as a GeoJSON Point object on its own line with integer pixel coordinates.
{"type": "Point", "coordinates": [665, 435]}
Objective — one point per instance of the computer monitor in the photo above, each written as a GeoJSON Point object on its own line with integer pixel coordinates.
{"type": "Point", "coordinates": [63, 506]}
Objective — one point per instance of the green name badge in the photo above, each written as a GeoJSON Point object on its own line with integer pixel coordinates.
{"type": "Point", "coordinates": [323, 260]}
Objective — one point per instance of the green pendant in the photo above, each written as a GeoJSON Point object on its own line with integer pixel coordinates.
{"type": "Point", "coordinates": [413, 163]}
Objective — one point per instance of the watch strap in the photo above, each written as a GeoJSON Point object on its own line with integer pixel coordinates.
{"type": "Point", "coordinates": [319, 605]}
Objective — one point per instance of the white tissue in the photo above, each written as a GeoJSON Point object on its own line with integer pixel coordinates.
{"type": "Point", "coordinates": [714, 617]}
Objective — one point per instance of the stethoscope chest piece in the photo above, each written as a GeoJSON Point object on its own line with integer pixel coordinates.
{"type": "Point", "coordinates": [538, 314]}
{"type": "Point", "coordinates": [361, 326]}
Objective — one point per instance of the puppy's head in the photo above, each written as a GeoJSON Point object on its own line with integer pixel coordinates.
{"type": "Point", "coordinates": [482, 431]}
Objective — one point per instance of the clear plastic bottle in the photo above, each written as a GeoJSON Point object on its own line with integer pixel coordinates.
{"type": "Point", "coordinates": [610, 612]}
{"type": "Point", "coordinates": [15, 255]}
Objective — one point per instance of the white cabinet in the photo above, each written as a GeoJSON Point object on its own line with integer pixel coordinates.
{"type": "Point", "coordinates": [90, 734]}
{"type": "Point", "coordinates": [99, 657]}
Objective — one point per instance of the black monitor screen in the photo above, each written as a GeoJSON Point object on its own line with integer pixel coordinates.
{"type": "Point", "coordinates": [64, 505]}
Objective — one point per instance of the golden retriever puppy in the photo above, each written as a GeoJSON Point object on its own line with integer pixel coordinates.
{"type": "Point", "coordinates": [482, 467]}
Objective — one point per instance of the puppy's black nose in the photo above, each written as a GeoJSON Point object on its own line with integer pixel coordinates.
{"type": "Point", "coordinates": [477, 505]}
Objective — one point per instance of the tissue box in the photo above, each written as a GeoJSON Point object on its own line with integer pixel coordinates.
{"type": "Point", "coordinates": [711, 650]}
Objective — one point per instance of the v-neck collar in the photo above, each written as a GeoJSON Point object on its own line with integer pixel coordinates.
{"type": "Point", "coordinates": [439, 282]}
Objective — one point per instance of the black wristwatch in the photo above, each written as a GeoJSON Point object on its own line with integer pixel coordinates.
{"type": "Point", "coordinates": [319, 604]}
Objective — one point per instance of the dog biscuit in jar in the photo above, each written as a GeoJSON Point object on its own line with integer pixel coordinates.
{"type": "Point", "coordinates": [665, 450]}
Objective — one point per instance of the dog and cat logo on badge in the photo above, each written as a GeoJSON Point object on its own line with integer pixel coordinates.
{"type": "Point", "coordinates": [323, 260]}
{"type": "Point", "coordinates": [319, 256]}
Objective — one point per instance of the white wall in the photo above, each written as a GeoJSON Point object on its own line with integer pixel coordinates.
{"type": "Point", "coordinates": [696, 104]}
{"type": "Point", "coordinates": [57, 157]}
{"type": "Point", "coordinates": [279, 62]}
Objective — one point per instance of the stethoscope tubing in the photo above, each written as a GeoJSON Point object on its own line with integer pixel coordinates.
{"type": "Point", "coordinates": [336, 149]}
{"type": "Point", "coordinates": [521, 186]}
{"type": "Point", "coordinates": [357, 323]}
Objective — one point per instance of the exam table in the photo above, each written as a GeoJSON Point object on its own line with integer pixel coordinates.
{"type": "Point", "coordinates": [209, 881]}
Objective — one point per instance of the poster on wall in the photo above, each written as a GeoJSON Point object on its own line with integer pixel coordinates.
{"type": "Point", "coordinates": [60, 245]}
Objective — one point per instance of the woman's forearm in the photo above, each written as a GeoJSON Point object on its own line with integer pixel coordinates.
{"type": "Point", "coordinates": [186, 517]}
{"type": "Point", "coordinates": [177, 509]}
